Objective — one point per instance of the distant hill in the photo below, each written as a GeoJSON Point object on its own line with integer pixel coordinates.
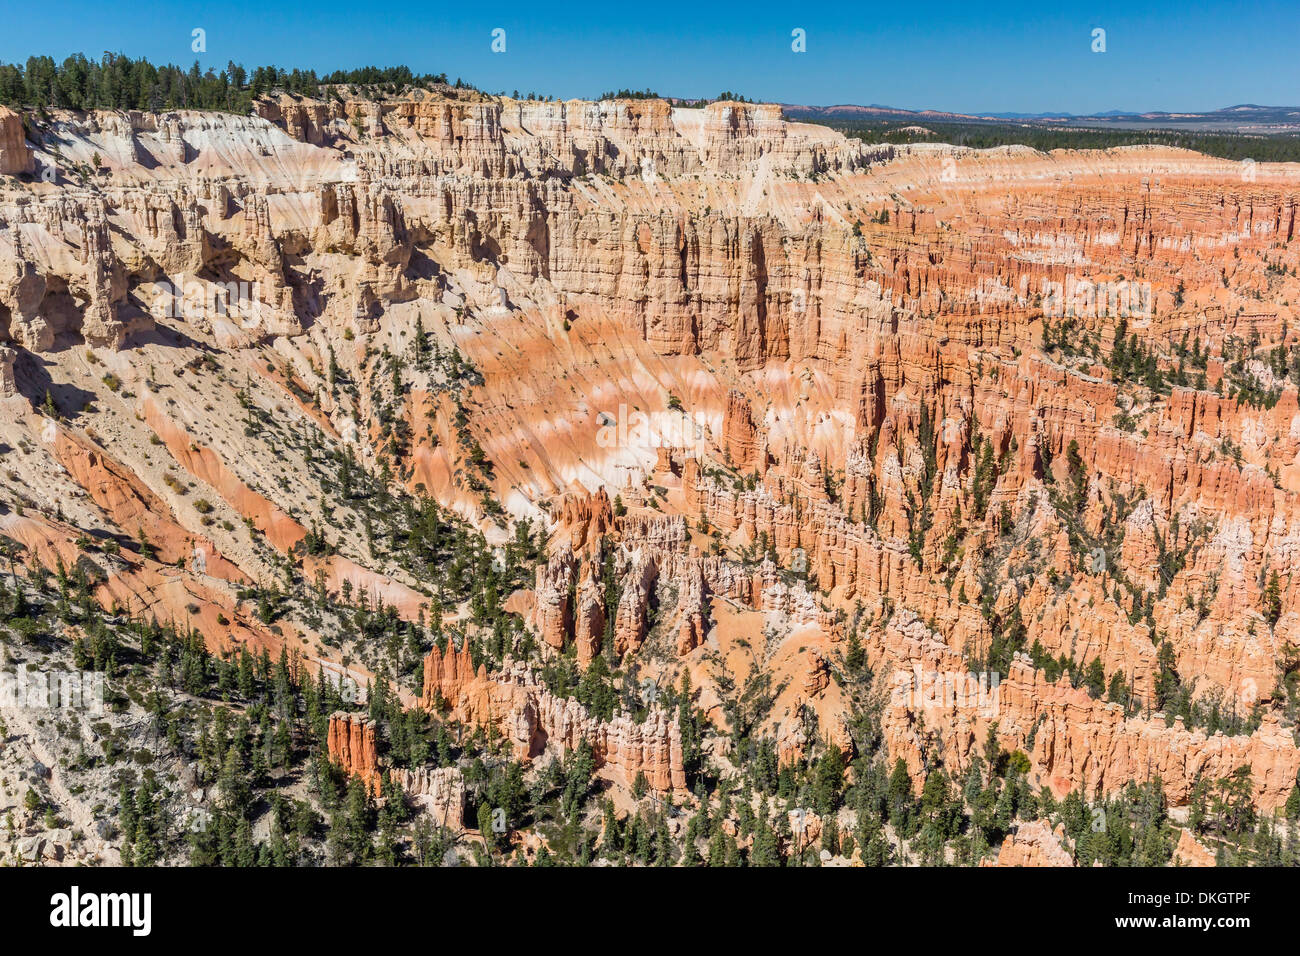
{"type": "Point", "coordinates": [1246, 117]}
{"type": "Point", "coordinates": [873, 112]}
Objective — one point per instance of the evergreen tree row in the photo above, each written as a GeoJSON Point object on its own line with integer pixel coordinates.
{"type": "Point", "coordinates": [117, 81]}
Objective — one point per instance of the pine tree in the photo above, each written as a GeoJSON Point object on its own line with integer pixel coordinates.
{"type": "Point", "coordinates": [766, 848]}
{"type": "Point", "coordinates": [1273, 600]}
{"type": "Point", "coordinates": [828, 780]}
{"type": "Point", "coordinates": [1293, 803]}
{"type": "Point", "coordinates": [1095, 679]}
{"type": "Point", "coordinates": [899, 798]}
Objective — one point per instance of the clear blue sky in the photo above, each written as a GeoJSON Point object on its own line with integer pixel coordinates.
{"type": "Point", "coordinates": [962, 56]}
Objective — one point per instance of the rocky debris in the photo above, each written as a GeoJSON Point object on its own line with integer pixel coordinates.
{"type": "Point", "coordinates": [436, 791]}
{"type": "Point", "coordinates": [37, 849]}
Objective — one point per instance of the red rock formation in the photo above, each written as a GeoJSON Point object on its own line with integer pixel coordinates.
{"type": "Point", "coordinates": [805, 829]}
{"type": "Point", "coordinates": [586, 518]}
{"type": "Point", "coordinates": [630, 620]}
{"type": "Point", "coordinates": [1073, 741]}
{"type": "Point", "coordinates": [1191, 852]}
{"type": "Point", "coordinates": [553, 616]}
{"type": "Point", "coordinates": [1033, 844]}
{"type": "Point", "coordinates": [352, 746]}
{"type": "Point", "coordinates": [817, 676]}
{"type": "Point", "coordinates": [15, 155]}
{"type": "Point", "coordinates": [437, 791]}
{"type": "Point", "coordinates": [693, 627]}
{"type": "Point", "coordinates": [912, 449]}
{"type": "Point", "coordinates": [526, 713]}
{"type": "Point", "coordinates": [742, 443]}
{"type": "Point", "coordinates": [445, 676]}
{"type": "Point", "coordinates": [589, 619]}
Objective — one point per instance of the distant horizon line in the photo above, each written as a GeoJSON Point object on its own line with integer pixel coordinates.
{"type": "Point", "coordinates": [320, 74]}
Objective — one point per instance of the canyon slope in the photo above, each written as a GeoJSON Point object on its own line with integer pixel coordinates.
{"type": "Point", "coordinates": [933, 457]}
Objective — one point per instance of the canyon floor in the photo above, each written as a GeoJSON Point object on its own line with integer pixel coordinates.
{"type": "Point", "coordinates": [443, 478]}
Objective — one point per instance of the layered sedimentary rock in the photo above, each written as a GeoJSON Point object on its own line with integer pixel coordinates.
{"type": "Point", "coordinates": [589, 619]}
{"type": "Point", "coordinates": [353, 747]}
{"type": "Point", "coordinates": [553, 617]}
{"type": "Point", "coordinates": [523, 711]}
{"type": "Point", "coordinates": [445, 676]}
{"type": "Point", "coordinates": [742, 443]}
{"type": "Point", "coordinates": [586, 517]}
{"type": "Point", "coordinates": [630, 620]}
{"type": "Point", "coordinates": [1073, 741]}
{"type": "Point", "coordinates": [965, 396]}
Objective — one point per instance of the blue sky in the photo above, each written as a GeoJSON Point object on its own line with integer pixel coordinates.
{"type": "Point", "coordinates": [962, 56]}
